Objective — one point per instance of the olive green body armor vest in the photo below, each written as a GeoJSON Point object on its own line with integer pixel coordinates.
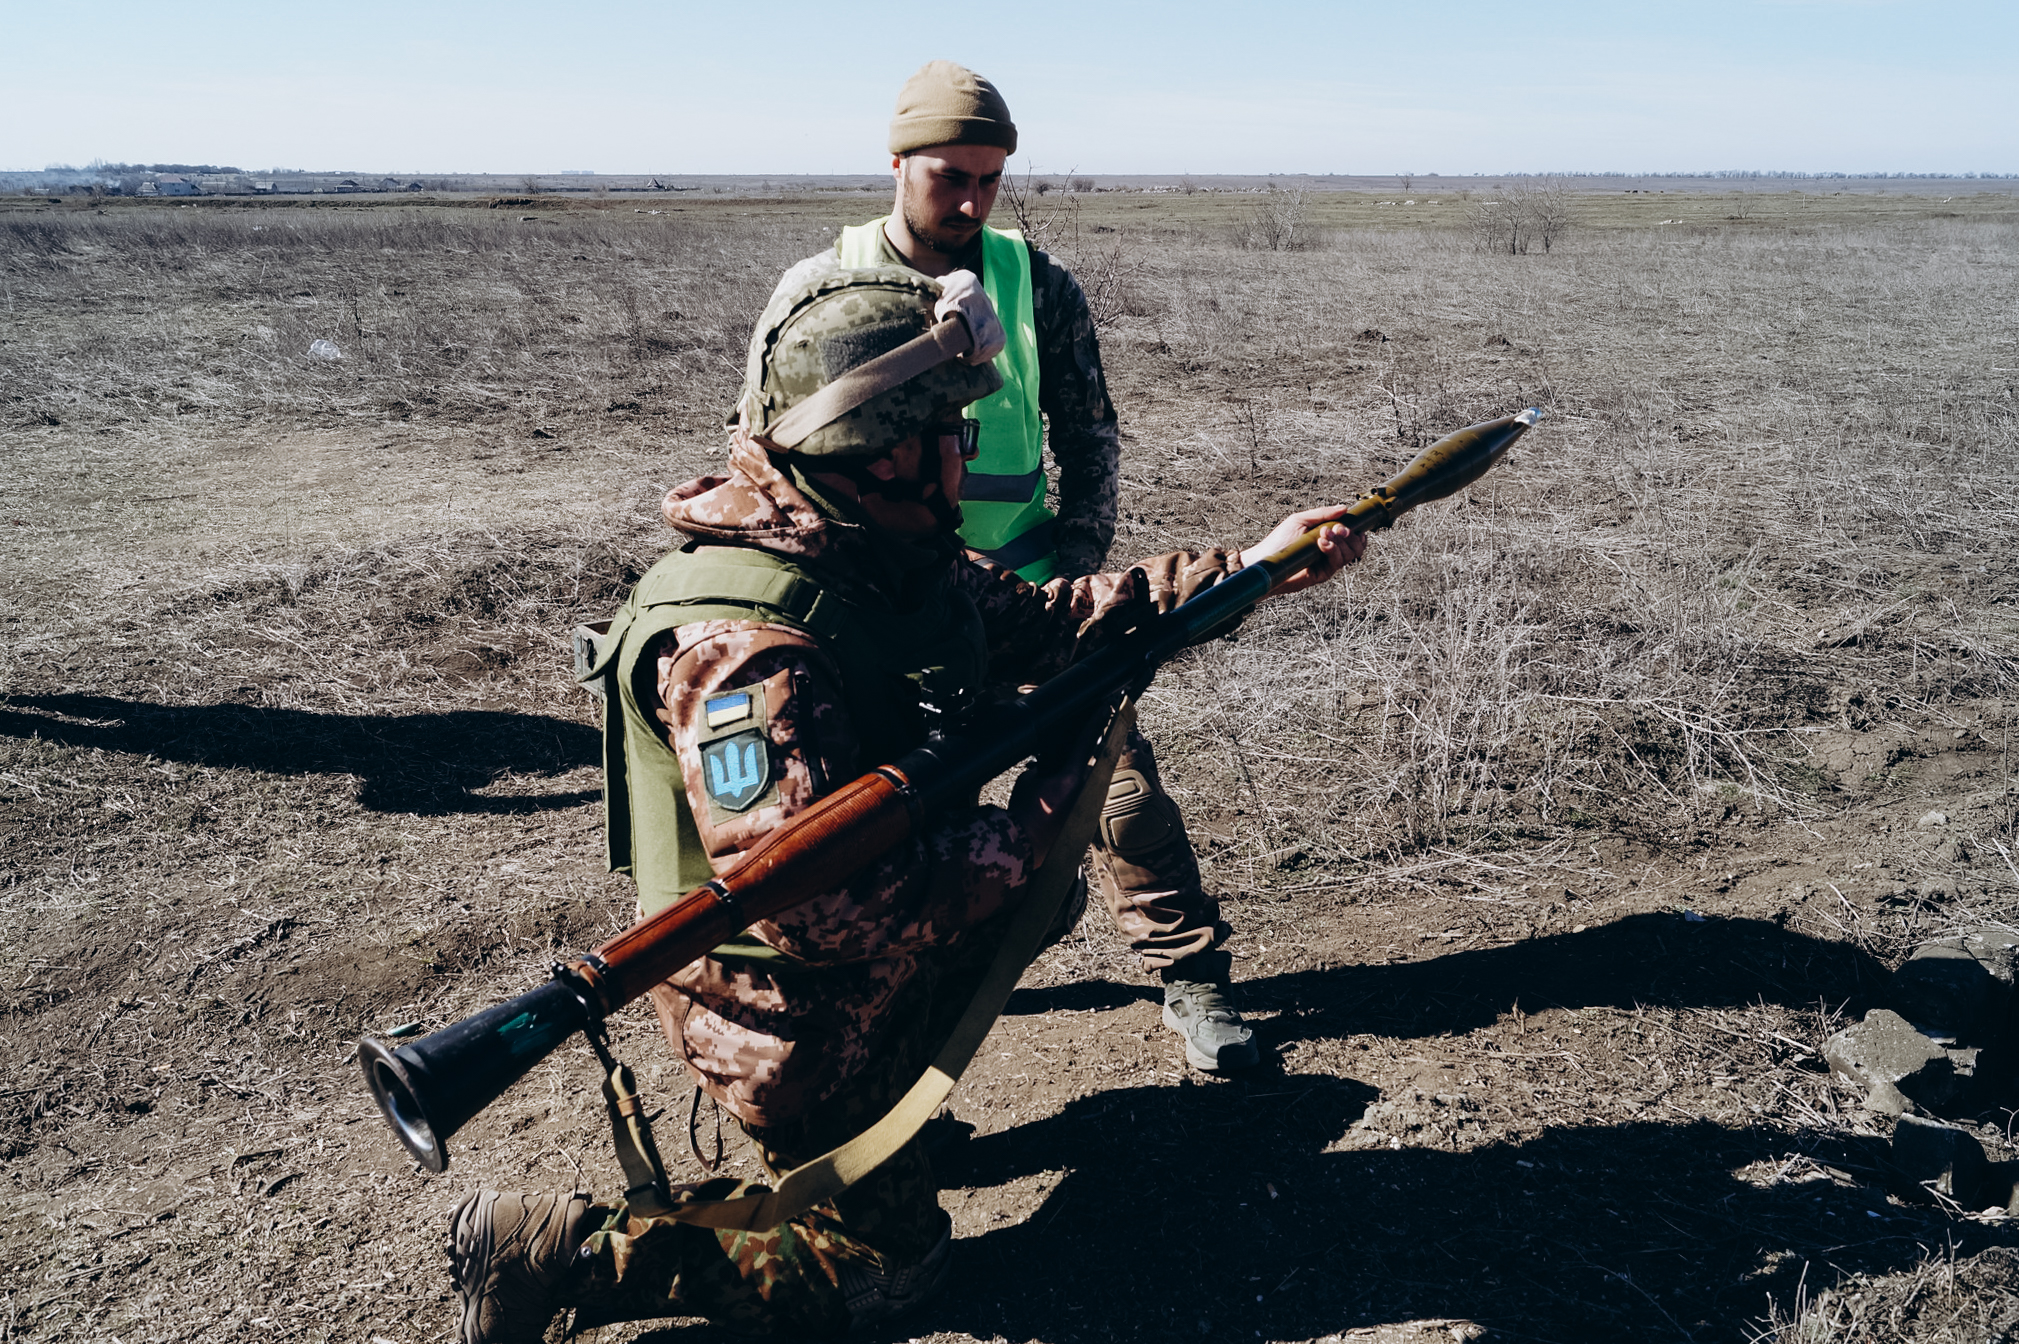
{"type": "Point", "coordinates": [896, 668]}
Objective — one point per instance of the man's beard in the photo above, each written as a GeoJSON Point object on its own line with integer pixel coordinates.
{"type": "Point", "coordinates": [935, 236]}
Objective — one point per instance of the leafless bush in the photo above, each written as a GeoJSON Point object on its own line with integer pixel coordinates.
{"type": "Point", "coordinates": [1106, 272]}
{"type": "Point", "coordinates": [1496, 225]}
{"type": "Point", "coordinates": [1519, 215]}
{"type": "Point", "coordinates": [1051, 221]}
{"type": "Point", "coordinates": [1047, 220]}
{"type": "Point", "coordinates": [1275, 223]}
{"type": "Point", "coordinates": [1547, 201]}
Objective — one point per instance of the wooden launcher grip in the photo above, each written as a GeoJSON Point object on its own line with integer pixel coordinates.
{"type": "Point", "coordinates": [827, 844]}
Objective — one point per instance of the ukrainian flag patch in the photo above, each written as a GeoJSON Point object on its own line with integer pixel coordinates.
{"type": "Point", "coordinates": [727, 709]}
{"type": "Point", "coordinates": [735, 751]}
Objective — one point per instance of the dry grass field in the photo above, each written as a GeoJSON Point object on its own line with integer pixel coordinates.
{"type": "Point", "coordinates": [1558, 835]}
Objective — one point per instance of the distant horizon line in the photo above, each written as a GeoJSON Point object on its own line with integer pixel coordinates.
{"type": "Point", "coordinates": [1736, 174]}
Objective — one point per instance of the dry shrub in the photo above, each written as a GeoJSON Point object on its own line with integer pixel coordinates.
{"type": "Point", "coordinates": [1278, 222]}
{"type": "Point", "coordinates": [1049, 219]}
{"type": "Point", "coordinates": [1519, 215]}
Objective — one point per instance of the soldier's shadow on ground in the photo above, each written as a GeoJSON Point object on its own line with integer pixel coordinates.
{"type": "Point", "coordinates": [1657, 960]}
{"type": "Point", "coordinates": [420, 763]}
{"type": "Point", "coordinates": [1253, 1208]}
{"type": "Point", "coordinates": [1225, 1211]}
{"type": "Point", "coordinates": [1218, 1212]}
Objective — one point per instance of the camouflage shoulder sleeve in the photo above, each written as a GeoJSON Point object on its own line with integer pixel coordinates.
{"type": "Point", "coordinates": [794, 703]}
{"type": "Point", "coordinates": [924, 893]}
{"type": "Point", "coordinates": [1085, 436]}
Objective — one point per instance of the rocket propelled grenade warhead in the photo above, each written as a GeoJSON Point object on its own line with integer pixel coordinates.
{"type": "Point", "coordinates": [1444, 468]}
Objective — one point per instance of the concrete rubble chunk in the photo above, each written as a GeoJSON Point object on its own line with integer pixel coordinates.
{"type": "Point", "coordinates": [1952, 994]}
{"type": "Point", "coordinates": [1998, 949]}
{"type": "Point", "coordinates": [1929, 1159]}
{"type": "Point", "coordinates": [1899, 1067]}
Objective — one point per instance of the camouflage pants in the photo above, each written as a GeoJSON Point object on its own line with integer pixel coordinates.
{"type": "Point", "coordinates": [787, 1281]}
{"type": "Point", "coordinates": [1144, 867]}
{"type": "Point", "coordinates": [782, 1282]}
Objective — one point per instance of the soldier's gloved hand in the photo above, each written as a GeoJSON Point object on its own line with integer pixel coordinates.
{"type": "Point", "coordinates": [1121, 611]}
{"type": "Point", "coordinates": [960, 294]}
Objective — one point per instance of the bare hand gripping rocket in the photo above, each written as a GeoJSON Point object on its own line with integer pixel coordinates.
{"type": "Point", "coordinates": [430, 1088]}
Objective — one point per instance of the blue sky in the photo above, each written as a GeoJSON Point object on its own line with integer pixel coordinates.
{"type": "Point", "coordinates": [786, 87]}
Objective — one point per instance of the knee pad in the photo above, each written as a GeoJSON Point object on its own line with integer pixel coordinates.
{"type": "Point", "coordinates": [1137, 820]}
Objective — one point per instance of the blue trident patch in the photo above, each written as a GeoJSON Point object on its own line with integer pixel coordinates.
{"type": "Point", "coordinates": [738, 769]}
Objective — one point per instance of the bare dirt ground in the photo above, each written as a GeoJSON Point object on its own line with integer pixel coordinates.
{"type": "Point", "coordinates": [1557, 837]}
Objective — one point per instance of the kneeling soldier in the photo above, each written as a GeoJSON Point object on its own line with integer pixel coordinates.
{"type": "Point", "coordinates": [818, 621]}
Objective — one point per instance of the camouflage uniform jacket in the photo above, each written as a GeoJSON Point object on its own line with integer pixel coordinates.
{"type": "Point", "coordinates": [772, 1038]}
{"type": "Point", "coordinates": [1081, 427]}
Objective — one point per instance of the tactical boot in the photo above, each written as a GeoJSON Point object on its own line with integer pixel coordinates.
{"type": "Point", "coordinates": [1196, 1006]}
{"type": "Point", "coordinates": [508, 1255]}
{"type": "Point", "coordinates": [876, 1295]}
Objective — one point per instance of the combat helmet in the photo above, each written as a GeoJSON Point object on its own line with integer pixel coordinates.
{"type": "Point", "coordinates": [835, 320]}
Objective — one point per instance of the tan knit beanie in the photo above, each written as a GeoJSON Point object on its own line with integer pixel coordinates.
{"type": "Point", "coordinates": [948, 104]}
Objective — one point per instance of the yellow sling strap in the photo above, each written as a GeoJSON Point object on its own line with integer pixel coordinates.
{"type": "Point", "coordinates": [831, 1173]}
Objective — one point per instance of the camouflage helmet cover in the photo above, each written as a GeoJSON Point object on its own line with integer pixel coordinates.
{"type": "Point", "coordinates": [837, 319]}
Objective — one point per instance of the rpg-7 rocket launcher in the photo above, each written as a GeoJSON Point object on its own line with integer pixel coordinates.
{"type": "Point", "coordinates": [430, 1088]}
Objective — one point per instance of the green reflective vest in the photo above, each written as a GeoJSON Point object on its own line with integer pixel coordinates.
{"type": "Point", "coordinates": [891, 663]}
{"type": "Point", "coordinates": [1003, 503]}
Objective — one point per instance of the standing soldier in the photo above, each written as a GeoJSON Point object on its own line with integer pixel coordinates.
{"type": "Point", "coordinates": [949, 141]}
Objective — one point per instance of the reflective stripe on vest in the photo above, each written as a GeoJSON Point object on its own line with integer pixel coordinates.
{"type": "Point", "coordinates": [1004, 503]}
